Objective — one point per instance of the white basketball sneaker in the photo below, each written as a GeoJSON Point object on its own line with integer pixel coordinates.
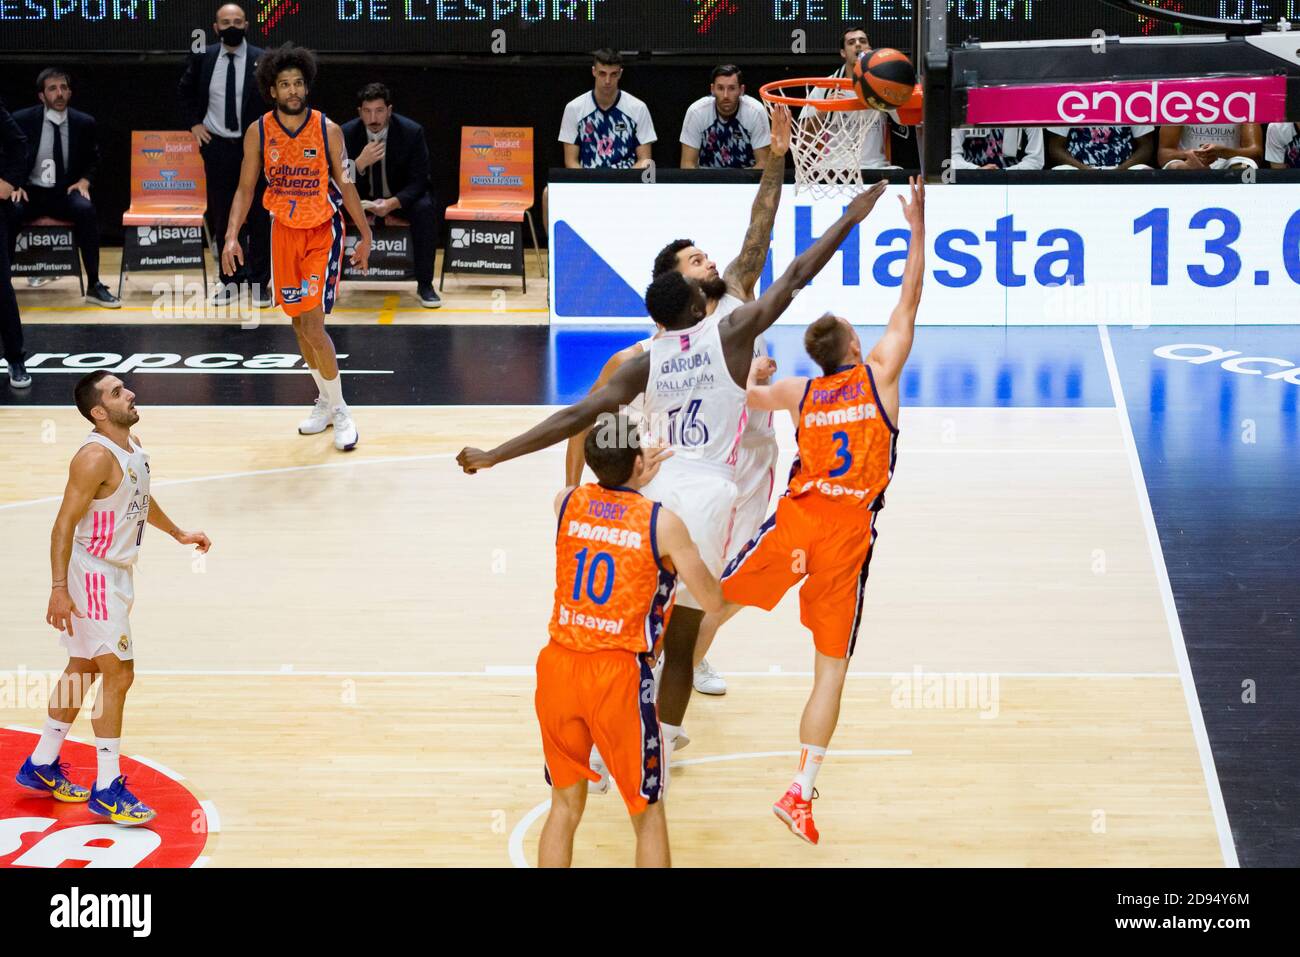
{"type": "Point", "coordinates": [319, 420]}
{"type": "Point", "coordinates": [708, 681]}
{"type": "Point", "coordinates": [345, 432]}
{"type": "Point", "coordinates": [679, 743]}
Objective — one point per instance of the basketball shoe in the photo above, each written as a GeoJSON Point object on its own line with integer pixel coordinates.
{"type": "Point", "coordinates": [797, 813]}
{"type": "Point", "coordinates": [119, 805]}
{"type": "Point", "coordinates": [708, 681]}
{"type": "Point", "coordinates": [52, 780]}
{"type": "Point", "coordinates": [345, 432]}
{"type": "Point", "coordinates": [319, 420]}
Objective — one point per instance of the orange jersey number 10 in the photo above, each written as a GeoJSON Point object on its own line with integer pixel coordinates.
{"type": "Point", "coordinates": [600, 558]}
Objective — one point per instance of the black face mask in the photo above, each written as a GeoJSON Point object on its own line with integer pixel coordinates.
{"type": "Point", "coordinates": [232, 36]}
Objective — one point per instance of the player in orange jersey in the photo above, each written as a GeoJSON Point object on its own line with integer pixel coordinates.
{"type": "Point", "coordinates": [823, 529]}
{"type": "Point", "coordinates": [617, 559]}
{"type": "Point", "coordinates": [308, 177]}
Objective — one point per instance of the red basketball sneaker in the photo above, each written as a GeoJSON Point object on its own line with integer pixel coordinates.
{"type": "Point", "coordinates": [797, 813]}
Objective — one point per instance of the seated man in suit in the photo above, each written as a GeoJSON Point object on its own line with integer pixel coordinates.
{"type": "Point", "coordinates": [62, 157]}
{"type": "Point", "coordinates": [390, 160]}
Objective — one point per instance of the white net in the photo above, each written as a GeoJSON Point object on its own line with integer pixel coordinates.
{"type": "Point", "coordinates": [826, 144]}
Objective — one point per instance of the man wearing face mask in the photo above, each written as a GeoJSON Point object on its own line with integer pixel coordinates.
{"type": "Point", "coordinates": [220, 100]}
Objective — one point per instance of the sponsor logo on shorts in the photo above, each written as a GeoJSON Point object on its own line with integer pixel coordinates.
{"type": "Point", "coordinates": [123, 644]}
{"type": "Point", "coordinates": [290, 294]}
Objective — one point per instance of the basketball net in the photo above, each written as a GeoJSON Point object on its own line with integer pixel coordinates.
{"type": "Point", "coordinates": [826, 144]}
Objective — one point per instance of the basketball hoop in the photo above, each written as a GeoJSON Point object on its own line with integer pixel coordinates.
{"type": "Point", "coordinates": [826, 136]}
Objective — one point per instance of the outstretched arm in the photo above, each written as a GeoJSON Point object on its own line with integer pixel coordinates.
{"type": "Point", "coordinates": [891, 351]}
{"type": "Point", "coordinates": [675, 543]}
{"type": "Point", "coordinates": [783, 394]}
{"type": "Point", "coordinates": [745, 269]}
{"type": "Point", "coordinates": [746, 322]}
{"type": "Point", "coordinates": [574, 459]}
{"type": "Point", "coordinates": [622, 388]}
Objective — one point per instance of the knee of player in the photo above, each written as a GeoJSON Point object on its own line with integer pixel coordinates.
{"type": "Point", "coordinates": [119, 681]}
{"type": "Point", "coordinates": [567, 804]}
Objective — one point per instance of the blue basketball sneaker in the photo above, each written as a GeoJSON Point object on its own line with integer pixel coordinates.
{"type": "Point", "coordinates": [51, 779]}
{"type": "Point", "coordinates": [119, 805]}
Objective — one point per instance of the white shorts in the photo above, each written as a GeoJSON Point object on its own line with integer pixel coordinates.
{"type": "Point", "coordinates": [104, 594]}
{"type": "Point", "coordinates": [704, 499]}
{"type": "Point", "coordinates": [755, 480]}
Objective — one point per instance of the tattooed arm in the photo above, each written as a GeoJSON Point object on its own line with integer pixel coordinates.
{"type": "Point", "coordinates": [745, 269]}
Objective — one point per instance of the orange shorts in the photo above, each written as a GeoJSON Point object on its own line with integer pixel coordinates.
{"type": "Point", "coordinates": [605, 697]}
{"type": "Point", "coordinates": [306, 264]}
{"type": "Point", "coordinates": [823, 543]}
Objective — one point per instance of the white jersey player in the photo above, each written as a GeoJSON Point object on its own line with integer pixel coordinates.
{"type": "Point", "coordinates": [755, 467]}
{"type": "Point", "coordinates": [94, 545]}
{"type": "Point", "coordinates": [693, 379]}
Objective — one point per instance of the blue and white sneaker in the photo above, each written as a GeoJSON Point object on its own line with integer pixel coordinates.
{"type": "Point", "coordinates": [119, 805]}
{"type": "Point", "coordinates": [51, 779]}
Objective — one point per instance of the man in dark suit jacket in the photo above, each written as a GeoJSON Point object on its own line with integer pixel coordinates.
{"type": "Point", "coordinates": [390, 159]}
{"type": "Point", "coordinates": [61, 162]}
{"type": "Point", "coordinates": [220, 101]}
{"type": "Point", "coordinates": [13, 160]}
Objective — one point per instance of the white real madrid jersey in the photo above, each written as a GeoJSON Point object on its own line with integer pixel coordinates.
{"type": "Point", "coordinates": [692, 404]}
{"type": "Point", "coordinates": [113, 528]}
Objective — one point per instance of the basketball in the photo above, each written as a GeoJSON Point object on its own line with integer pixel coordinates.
{"type": "Point", "coordinates": [884, 79]}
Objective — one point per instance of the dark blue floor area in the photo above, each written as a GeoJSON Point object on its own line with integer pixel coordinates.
{"type": "Point", "coordinates": [1219, 451]}
{"type": "Point", "coordinates": [949, 366]}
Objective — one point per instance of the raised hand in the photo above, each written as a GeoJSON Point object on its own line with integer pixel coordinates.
{"type": "Point", "coordinates": [914, 212]}
{"type": "Point", "coordinates": [865, 201]}
{"type": "Point", "coordinates": [780, 129]}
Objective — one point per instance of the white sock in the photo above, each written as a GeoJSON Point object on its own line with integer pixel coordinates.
{"type": "Point", "coordinates": [320, 382]}
{"type": "Point", "coordinates": [332, 389]}
{"type": "Point", "coordinates": [671, 731]}
{"type": "Point", "coordinates": [47, 749]}
{"type": "Point", "coordinates": [107, 754]}
{"type": "Point", "coordinates": [810, 762]}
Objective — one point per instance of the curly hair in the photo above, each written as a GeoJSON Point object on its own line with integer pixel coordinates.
{"type": "Point", "coordinates": [278, 59]}
{"type": "Point", "coordinates": [667, 298]}
{"type": "Point", "coordinates": [666, 260]}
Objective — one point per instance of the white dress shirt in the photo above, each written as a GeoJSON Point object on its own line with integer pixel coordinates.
{"type": "Point", "coordinates": [215, 121]}
{"type": "Point", "coordinates": [43, 170]}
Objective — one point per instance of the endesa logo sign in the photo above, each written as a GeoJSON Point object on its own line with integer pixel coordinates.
{"type": "Point", "coordinates": [1236, 99]}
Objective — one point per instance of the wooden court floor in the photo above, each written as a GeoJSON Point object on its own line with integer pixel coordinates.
{"type": "Point", "coordinates": [347, 676]}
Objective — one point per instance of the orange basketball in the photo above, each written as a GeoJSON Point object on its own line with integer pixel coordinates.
{"type": "Point", "coordinates": [884, 79]}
